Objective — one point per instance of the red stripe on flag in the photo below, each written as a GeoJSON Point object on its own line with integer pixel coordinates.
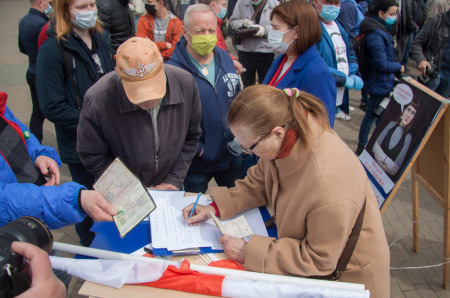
{"type": "Point", "coordinates": [187, 280]}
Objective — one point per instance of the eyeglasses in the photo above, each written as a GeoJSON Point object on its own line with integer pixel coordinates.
{"type": "Point", "coordinates": [249, 149]}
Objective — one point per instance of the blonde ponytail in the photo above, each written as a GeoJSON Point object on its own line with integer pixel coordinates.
{"type": "Point", "coordinates": [263, 107]}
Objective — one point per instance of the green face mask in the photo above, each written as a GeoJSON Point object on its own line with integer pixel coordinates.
{"type": "Point", "coordinates": [203, 44]}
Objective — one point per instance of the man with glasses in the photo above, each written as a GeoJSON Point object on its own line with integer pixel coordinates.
{"type": "Point", "coordinates": [29, 28]}
{"type": "Point", "coordinates": [218, 84]}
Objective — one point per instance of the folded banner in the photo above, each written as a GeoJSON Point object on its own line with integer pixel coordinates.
{"type": "Point", "coordinates": [179, 276]}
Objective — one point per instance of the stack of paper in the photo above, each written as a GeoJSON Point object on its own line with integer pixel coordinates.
{"type": "Point", "coordinates": [169, 230]}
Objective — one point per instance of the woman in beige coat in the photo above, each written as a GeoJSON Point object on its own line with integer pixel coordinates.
{"type": "Point", "coordinates": [315, 185]}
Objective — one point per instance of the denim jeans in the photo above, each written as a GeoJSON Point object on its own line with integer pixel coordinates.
{"type": "Point", "coordinates": [441, 85]}
{"type": "Point", "coordinates": [196, 181]}
{"type": "Point", "coordinates": [369, 119]}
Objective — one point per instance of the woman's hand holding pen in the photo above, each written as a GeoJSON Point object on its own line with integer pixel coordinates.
{"type": "Point", "coordinates": [201, 212]}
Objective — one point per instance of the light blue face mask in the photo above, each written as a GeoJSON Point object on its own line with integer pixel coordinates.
{"type": "Point", "coordinates": [222, 13]}
{"type": "Point", "coordinates": [329, 12]}
{"type": "Point", "coordinates": [390, 20]}
{"type": "Point", "coordinates": [255, 3]}
{"type": "Point", "coordinates": [85, 19]}
{"type": "Point", "coordinates": [48, 10]}
{"type": "Point", "coordinates": [275, 38]}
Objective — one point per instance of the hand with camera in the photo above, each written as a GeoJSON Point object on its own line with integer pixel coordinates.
{"type": "Point", "coordinates": [247, 23]}
{"type": "Point", "coordinates": [96, 206]}
{"type": "Point", "coordinates": [43, 282]}
{"type": "Point", "coordinates": [261, 31]}
{"type": "Point", "coordinates": [423, 66]}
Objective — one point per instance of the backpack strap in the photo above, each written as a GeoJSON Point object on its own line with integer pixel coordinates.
{"type": "Point", "coordinates": [257, 13]}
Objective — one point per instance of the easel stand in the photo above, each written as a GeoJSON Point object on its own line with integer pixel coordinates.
{"type": "Point", "coordinates": [432, 169]}
{"type": "Point", "coordinates": [430, 166]}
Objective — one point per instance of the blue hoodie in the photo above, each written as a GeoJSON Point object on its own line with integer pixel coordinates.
{"type": "Point", "coordinates": [216, 101]}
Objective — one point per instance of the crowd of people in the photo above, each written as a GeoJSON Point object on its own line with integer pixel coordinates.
{"type": "Point", "coordinates": [152, 82]}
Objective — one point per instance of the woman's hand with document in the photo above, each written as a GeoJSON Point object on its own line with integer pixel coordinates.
{"type": "Point", "coordinates": [201, 213]}
{"type": "Point", "coordinates": [234, 248]}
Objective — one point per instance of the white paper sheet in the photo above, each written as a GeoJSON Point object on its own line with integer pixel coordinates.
{"type": "Point", "coordinates": [169, 230]}
{"type": "Point", "coordinates": [164, 194]}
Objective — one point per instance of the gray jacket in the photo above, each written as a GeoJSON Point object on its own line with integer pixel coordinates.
{"type": "Point", "coordinates": [244, 10]}
{"type": "Point", "coordinates": [430, 39]}
{"type": "Point", "coordinates": [111, 126]}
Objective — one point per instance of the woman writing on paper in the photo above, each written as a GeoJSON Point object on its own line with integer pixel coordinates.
{"type": "Point", "coordinates": [315, 185]}
{"type": "Point", "coordinates": [391, 146]}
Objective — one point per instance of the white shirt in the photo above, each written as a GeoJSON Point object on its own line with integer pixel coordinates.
{"type": "Point", "coordinates": [340, 50]}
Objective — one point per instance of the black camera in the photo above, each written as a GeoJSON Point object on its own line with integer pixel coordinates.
{"type": "Point", "coordinates": [378, 111]}
{"type": "Point", "coordinates": [14, 278]}
{"type": "Point", "coordinates": [431, 74]}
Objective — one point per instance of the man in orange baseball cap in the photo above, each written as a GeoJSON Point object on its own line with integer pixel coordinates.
{"type": "Point", "coordinates": [146, 113]}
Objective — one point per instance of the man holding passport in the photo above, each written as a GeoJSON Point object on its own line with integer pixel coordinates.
{"type": "Point", "coordinates": [146, 114]}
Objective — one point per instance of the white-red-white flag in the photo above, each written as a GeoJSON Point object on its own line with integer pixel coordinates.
{"type": "Point", "coordinates": [179, 276]}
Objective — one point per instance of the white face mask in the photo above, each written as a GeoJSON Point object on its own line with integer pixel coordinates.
{"type": "Point", "coordinates": [275, 38]}
{"type": "Point", "coordinates": [85, 19]}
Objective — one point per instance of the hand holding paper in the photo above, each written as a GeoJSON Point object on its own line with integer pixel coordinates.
{"type": "Point", "coordinates": [126, 192]}
{"type": "Point", "coordinates": [237, 227]}
{"type": "Point", "coordinates": [234, 248]}
{"type": "Point", "coordinates": [96, 206]}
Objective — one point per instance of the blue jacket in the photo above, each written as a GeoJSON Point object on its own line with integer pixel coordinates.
{"type": "Point", "coordinates": [350, 16]}
{"type": "Point", "coordinates": [29, 28]}
{"type": "Point", "coordinates": [58, 99]}
{"type": "Point", "coordinates": [381, 57]}
{"type": "Point", "coordinates": [57, 206]}
{"type": "Point", "coordinates": [216, 101]}
{"type": "Point", "coordinates": [328, 53]}
{"type": "Point", "coordinates": [308, 73]}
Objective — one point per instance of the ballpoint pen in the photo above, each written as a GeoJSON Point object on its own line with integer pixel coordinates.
{"type": "Point", "coordinates": [195, 205]}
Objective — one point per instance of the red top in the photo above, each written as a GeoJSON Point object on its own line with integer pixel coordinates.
{"type": "Point", "coordinates": [274, 82]}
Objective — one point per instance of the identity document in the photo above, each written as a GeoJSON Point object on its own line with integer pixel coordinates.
{"type": "Point", "coordinates": [125, 191]}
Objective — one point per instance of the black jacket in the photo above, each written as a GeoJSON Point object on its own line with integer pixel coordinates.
{"type": "Point", "coordinates": [406, 22]}
{"type": "Point", "coordinates": [428, 44]}
{"type": "Point", "coordinates": [60, 102]}
{"type": "Point", "coordinates": [29, 28]}
{"type": "Point", "coordinates": [111, 126]}
{"type": "Point", "coordinates": [117, 19]}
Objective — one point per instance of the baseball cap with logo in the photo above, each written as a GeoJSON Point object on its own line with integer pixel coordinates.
{"type": "Point", "coordinates": [140, 66]}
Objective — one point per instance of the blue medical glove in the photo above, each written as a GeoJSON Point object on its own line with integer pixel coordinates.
{"type": "Point", "coordinates": [358, 82]}
{"type": "Point", "coordinates": [350, 82]}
